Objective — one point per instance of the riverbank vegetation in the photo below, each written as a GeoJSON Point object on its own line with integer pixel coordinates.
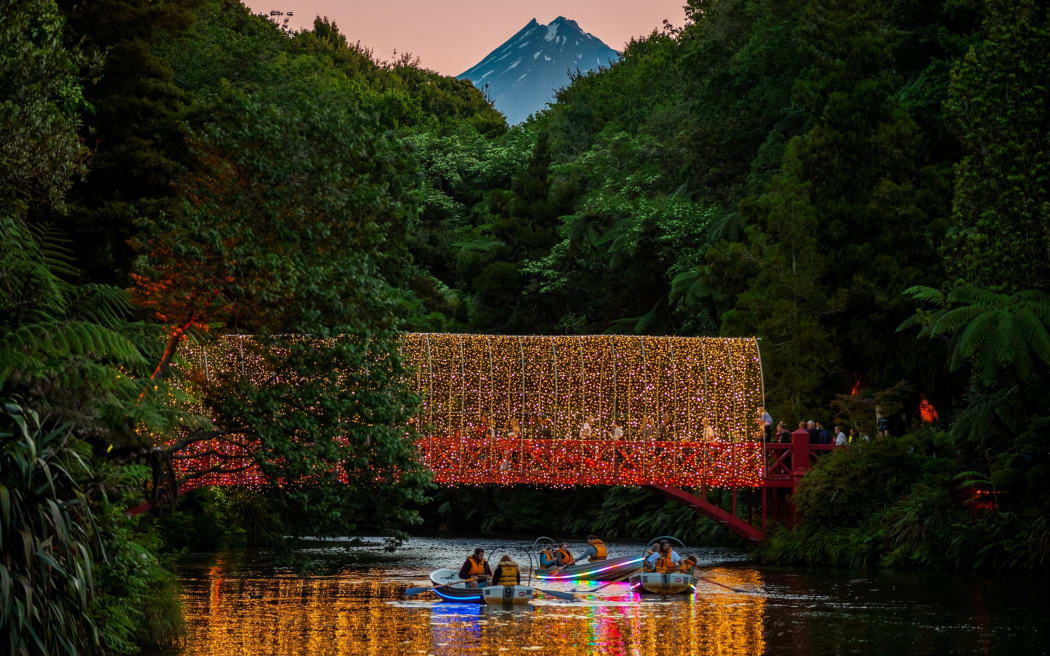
{"type": "Point", "coordinates": [863, 185]}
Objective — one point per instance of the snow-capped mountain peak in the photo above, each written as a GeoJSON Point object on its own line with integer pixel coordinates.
{"type": "Point", "coordinates": [522, 74]}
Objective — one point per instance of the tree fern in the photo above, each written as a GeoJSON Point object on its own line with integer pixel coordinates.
{"type": "Point", "coordinates": [990, 331]}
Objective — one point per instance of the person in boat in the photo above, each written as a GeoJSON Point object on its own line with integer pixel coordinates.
{"type": "Point", "coordinates": [595, 549]}
{"type": "Point", "coordinates": [506, 572]}
{"type": "Point", "coordinates": [661, 558]}
{"type": "Point", "coordinates": [563, 557]}
{"type": "Point", "coordinates": [475, 570]}
{"type": "Point", "coordinates": [688, 564]}
{"type": "Point", "coordinates": [547, 558]}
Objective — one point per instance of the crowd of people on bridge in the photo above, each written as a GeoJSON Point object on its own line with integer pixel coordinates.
{"type": "Point", "coordinates": [812, 429]}
{"type": "Point", "coordinates": [649, 430]}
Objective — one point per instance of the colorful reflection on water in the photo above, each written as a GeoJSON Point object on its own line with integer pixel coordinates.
{"type": "Point", "coordinates": [234, 605]}
{"type": "Point", "coordinates": [359, 613]}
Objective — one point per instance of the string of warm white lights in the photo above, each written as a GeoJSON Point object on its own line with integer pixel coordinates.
{"type": "Point", "coordinates": [571, 410]}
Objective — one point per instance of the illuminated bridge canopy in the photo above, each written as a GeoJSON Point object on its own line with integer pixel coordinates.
{"type": "Point", "coordinates": [572, 410]}
{"type": "Point", "coordinates": [578, 410]}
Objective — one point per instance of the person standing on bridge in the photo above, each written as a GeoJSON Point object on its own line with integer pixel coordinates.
{"type": "Point", "coordinates": [485, 429]}
{"type": "Point", "coordinates": [709, 430]}
{"type": "Point", "coordinates": [814, 434]}
{"type": "Point", "coordinates": [586, 432]}
{"type": "Point", "coordinates": [800, 431]}
{"type": "Point", "coordinates": [783, 434]}
{"type": "Point", "coordinates": [840, 437]}
{"type": "Point", "coordinates": [767, 423]}
{"type": "Point", "coordinates": [648, 429]}
{"type": "Point", "coordinates": [475, 571]}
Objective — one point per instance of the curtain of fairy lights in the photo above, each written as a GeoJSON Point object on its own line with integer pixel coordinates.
{"type": "Point", "coordinates": [578, 410]}
{"type": "Point", "coordinates": [571, 410]}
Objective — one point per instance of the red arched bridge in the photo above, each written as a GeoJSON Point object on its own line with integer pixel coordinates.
{"type": "Point", "coordinates": [662, 412]}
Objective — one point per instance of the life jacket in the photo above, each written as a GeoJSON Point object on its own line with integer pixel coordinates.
{"type": "Point", "coordinates": [566, 558]}
{"type": "Point", "coordinates": [600, 552]}
{"type": "Point", "coordinates": [664, 564]}
{"type": "Point", "coordinates": [508, 574]}
{"type": "Point", "coordinates": [548, 555]}
{"type": "Point", "coordinates": [477, 567]}
{"type": "Point", "coordinates": [687, 566]}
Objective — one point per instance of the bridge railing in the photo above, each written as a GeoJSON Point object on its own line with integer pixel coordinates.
{"type": "Point", "coordinates": [568, 462]}
{"type": "Point", "coordinates": [787, 462]}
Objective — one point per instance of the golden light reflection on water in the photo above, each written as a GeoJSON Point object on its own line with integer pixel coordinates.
{"type": "Point", "coordinates": [356, 613]}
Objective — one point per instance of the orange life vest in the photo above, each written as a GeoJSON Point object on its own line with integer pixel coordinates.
{"type": "Point", "coordinates": [600, 552]}
{"type": "Point", "coordinates": [508, 574]}
{"type": "Point", "coordinates": [477, 567]}
{"type": "Point", "coordinates": [664, 564]}
{"type": "Point", "coordinates": [687, 566]}
{"type": "Point", "coordinates": [566, 558]}
{"type": "Point", "coordinates": [549, 553]}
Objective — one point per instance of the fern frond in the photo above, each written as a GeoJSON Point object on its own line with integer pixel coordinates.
{"type": "Point", "coordinates": [647, 320]}
{"type": "Point", "coordinates": [952, 321]}
{"type": "Point", "coordinates": [926, 294]}
{"type": "Point", "coordinates": [966, 294]}
{"type": "Point", "coordinates": [1004, 346]}
{"type": "Point", "coordinates": [55, 251]}
{"type": "Point", "coordinates": [682, 284]}
{"type": "Point", "coordinates": [1036, 302]}
{"type": "Point", "coordinates": [29, 289]}
{"type": "Point", "coordinates": [728, 227]}
{"type": "Point", "coordinates": [1035, 333]}
{"type": "Point", "coordinates": [63, 339]}
{"type": "Point", "coordinates": [977, 333]}
{"type": "Point", "coordinates": [917, 319]}
{"type": "Point", "coordinates": [102, 304]}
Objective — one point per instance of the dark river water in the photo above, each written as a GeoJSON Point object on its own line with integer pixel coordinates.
{"type": "Point", "coordinates": [241, 603]}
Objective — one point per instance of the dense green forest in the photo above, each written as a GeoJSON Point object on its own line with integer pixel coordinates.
{"type": "Point", "coordinates": [863, 185]}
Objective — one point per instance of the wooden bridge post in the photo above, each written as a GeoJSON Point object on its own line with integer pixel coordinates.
{"type": "Point", "coordinates": [799, 458]}
{"type": "Point", "coordinates": [799, 466]}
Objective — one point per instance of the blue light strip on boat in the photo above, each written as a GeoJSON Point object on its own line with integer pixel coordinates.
{"type": "Point", "coordinates": [573, 577]}
{"type": "Point", "coordinates": [450, 598]}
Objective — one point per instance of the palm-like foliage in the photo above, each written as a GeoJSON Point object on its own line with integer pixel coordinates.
{"type": "Point", "coordinates": [46, 539]}
{"type": "Point", "coordinates": [994, 332]}
{"type": "Point", "coordinates": [70, 345]}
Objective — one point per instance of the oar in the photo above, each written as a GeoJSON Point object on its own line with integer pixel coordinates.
{"type": "Point", "coordinates": [410, 592]}
{"type": "Point", "coordinates": [567, 596]}
{"type": "Point", "coordinates": [628, 574]}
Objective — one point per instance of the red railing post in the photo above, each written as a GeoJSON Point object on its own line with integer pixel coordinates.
{"type": "Point", "coordinates": [799, 457]}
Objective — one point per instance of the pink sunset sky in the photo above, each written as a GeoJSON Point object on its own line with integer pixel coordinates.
{"type": "Point", "coordinates": [450, 37]}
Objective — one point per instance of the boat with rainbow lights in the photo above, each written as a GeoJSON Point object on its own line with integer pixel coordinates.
{"type": "Point", "coordinates": [599, 570]}
{"type": "Point", "coordinates": [609, 569]}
